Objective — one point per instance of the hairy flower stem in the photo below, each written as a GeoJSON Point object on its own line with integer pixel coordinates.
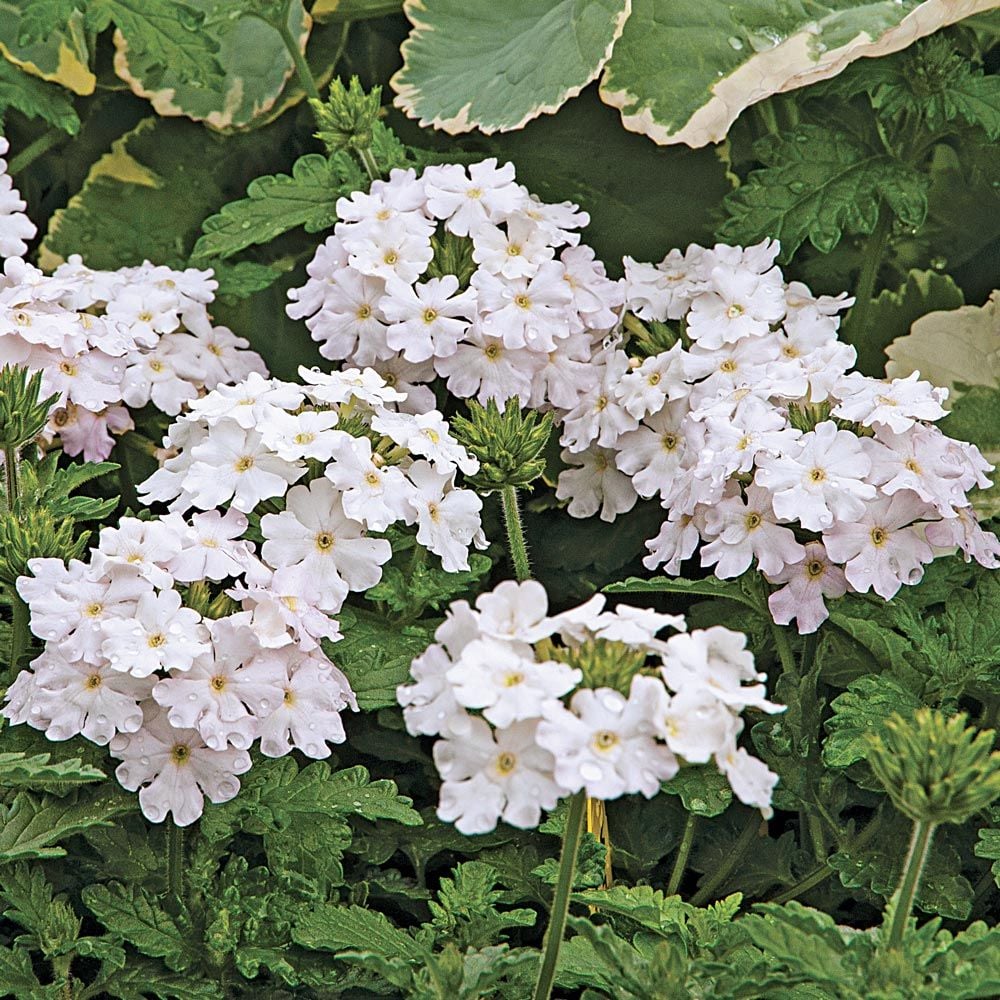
{"type": "Point", "coordinates": [683, 853]}
{"type": "Point", "coordinates": [20, 630]}
{"type": "Point", "coordinates": [11, 469]}
{"type": "Point", "coordinates": [369, 163]}
{"type": "Point", "coordinates": [903, 899]}
{"type": "Point", "coordinates": [302, 69]}
{"type": "Point", "coordinates": [515, 534]}
{"type": "Point", "coordinates": [35, 149]}
{"type": "Point", "coordinates": [871, 263]}
{"type": "Point", "coordinates": [560, 900]}
{"type": "Point", "coordinates": [175, 864]}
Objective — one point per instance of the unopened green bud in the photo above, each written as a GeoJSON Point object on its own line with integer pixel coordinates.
{"type": "Point", "coordinates": [347, 117]}
{"type": "Point", "coordinates": [509, 445]}
{"type": "Point", "coordinates": [603, 663]}
{"type": "Point", "coordinates": [452, 255]}
{"type": "Point", "coordinates": [935, 769]}
{"type": "Point", "coordinates": [649, 338]}
{"type": "Point", "coordinates": [199, 598]}
{"type": "Point", "coordinates": [23, 414]}
{"type": "Point", "coordinates": [35, 534]}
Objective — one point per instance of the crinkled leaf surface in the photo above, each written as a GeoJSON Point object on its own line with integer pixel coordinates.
{"type": "Point", "coordinates": [251, 53]}
{"type": "Point", "coordinates": [35, 99]}
{"type": "Point", "coordinates": [683, 70]}
{"type": "Point", "coordinates": [62, 56]}
{"type": "Point", "coordinates": [495, 66]}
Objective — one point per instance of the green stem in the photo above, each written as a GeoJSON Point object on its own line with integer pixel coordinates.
{"type": "Point", "coordinates": [301, 66]}
{"type": "Point", "coordinates": [20, 631]}
{"type": "Point", "coordinates": [175, 861]}
{"type": "Point", "coordinates": [33, 150]}
{"type": "Point", "coordinates": [560, 900]}
{"type": "Point", "coordinates": [368, 161]}
{"type": "Point", "coordinates": [902, 901]}
{"type": "Point", "coordinates": [871, 263]}
{"type": "Point", "coordinates": [515, 533]}
{"type": "Point", "coordinates": [683, 852]}
{"type": "Point", "coordinates": [740, 848]}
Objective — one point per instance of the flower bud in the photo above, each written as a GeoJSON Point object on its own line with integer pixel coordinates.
{"type": "Point", "coordinates": [935, 769]}
{"type": "Point", "coordinates": [23, 414]}
{"type": "Point", "coordinates": [347, 117]}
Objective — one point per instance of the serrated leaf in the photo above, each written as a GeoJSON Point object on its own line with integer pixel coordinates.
{"type": "Point", "coordinates": [495, 67]}
{"type": "Point", "coordinates": [143, 978]}
{"type": "Point", "coordinates": [893, 312]}
{"type": "Point", "coordinates": [352, 928]}
{"type": "Point", "coordinates": [276, 204]}
{"type": "Point", "coordinates": [683, 70]}
{"type": "Point", "coordinates": [240, 280]}
{"type": "Point", "coordinates": [989, 848]}
{"type": "Point", "coordinates": [648, 907]}
{"type": "Point", "coordinates": [31, 827]}
{"type": "Point", "coordinates": [702, 788]}
{"type": "Point", "coordinates": [134, 915]}
{"type": "Point", "coordinates": [376, 655]}
{"type": "Point", "coordinates": [708, 587]}
{"type": "Point", "coordinates": [860, 713]}
{"type": "Point", "coordinates": [805, 940]}
{"type": "Point", "coordinates": [57, 52]}
{"type": "Point", "coordinates": [17, 977]}
{"type": "Point", "coordinates": [35, 99]}
{"type": "Point", "coordinates": [817, 184]}
{"type": "Point", "coordinates": [38, 772]}
{"type": "Point", "coordinates": [167, 35]}
{"type": "Point", "coordinates": [255, 65]}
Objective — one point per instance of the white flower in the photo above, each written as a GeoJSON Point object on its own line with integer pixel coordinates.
{"type": "Point", "coordinates": [429, 319]}
{"type": "Point", "coordinates": [879, 549]}
{"type": "Point", "coordinates": [821, 479]}
{"type": "Point", "coordinates": [447, 518]}
{"type": "Point", "coordinates": [141, 547]}
{"type": "Point", "coordinates": [426, 434]}
{"type": "Point", "coordinates": [175, 769]}
{"type": "Point", "coordinates": [807, 582]}
{"type": "Point", "coordinates": [308, 434]}
{"type": "Point", "coordinates": [494, 775]}
{"type": "Point", "coordinates": [163, 636]}
{"type": "Point", "coordinates": [659, 378]}
{"type": "Point", "coordinates": [466, 201]}
{"type": "Point", "coordinates": [636, 627]}
{"type": "Point", "coordinates": [516, 253]}
{"type": "Point", "coordinates": [390, 251]}
{"type": "Point", "coordinates": [366, 386]}
{"type": "Point", "coordinates": [248, 404]}
{"type": "Point", "coordinates": [897, 404]}
{"type": "Point", "coordinates": [676, 541]}
{"type": "Point", "coordinates": [737, 304]}
{"type": "Point", "coordinates": [374, 493]}
{"type": "Point", "coordinates": [211, 546]}
{"type": "Point", "coordinates": [504, 680]}
{"type": "Point", "coordinates": [715, 659]}
{"type": "Point", "coordinates": [429, 705]}
{"type": "Point", "coordinates": [235, 464]}
{"type": "Point", "coordinates": [279, 617]}
{"type": "Point", "coordinates": [599, 417]}
{"type": "Point", "coordinates": [526, 312]}
{"type": "Point", "coordinates": [515, 612]}
{"type": "Point", "coordinates": [751, 779]}
{"type": "Point", "coordinates": [695, 724]}
{"type": "Point", "coordinates": [595, 484]}
{"type": "Point", "coordinates": [606, 744]}
{"type": "Point", "coordinates": [308, 715]}
{"type": "Point", "coordinates": [325, 547]}
{"type": "Point", "coordinates": [483, 367]}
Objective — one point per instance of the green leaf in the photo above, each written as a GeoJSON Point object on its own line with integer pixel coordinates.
{"type": "Point", "coordinates": [35, 99]}
{"type": "Point", "coordinates": [424, 585]}
{"type": "Point", "coordinates": [683, 70]}
{"type": "Point", "coordinates": [143, 978]}
{"type": "Point", "coordinates": [702, 788]}
{"type": "Point", "coordinates": [989, 848]}
{"type": "Point", "coordinates": [734, 590]}
{"type": "Point", "coordinates": [134, 914]}
{"type": "Point", "coordinates": [168, 37]}
{"type": "Point", "coordinates": [648, 907]}
{"type": "Point", "coordinates": [274, 205]}
{"type": "Point", "coordinates": [894, 312]}
{"type": "Point", "coordinates": [495, 67]}
{"type": "Point", "coordinates": [860, 713]}
{"type": "Point", "coordinates": [339, 11]}
{"type": "Point", "coordinates": [17, 978]}
{"type": "Point", "coordinates": [31, 827]}
{"type": "Point", "coordinates": [353, 928]}
{"type": "Point", "coordinates": [255, 65]}
{"type": "Point", "coordinates": [37, 772]}
{"type": "Point", "coordinates": [55, 50]}
{"type": "Point", "coordinates": [237, 281]}
{"type": "Point", "coordinates": [376, 655]}
{"type": "Point", "coordinates": [818, 183]}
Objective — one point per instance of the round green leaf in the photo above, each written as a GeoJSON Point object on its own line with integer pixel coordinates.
{"type": "Point", "coordinates": [495, 66]}
{"type": "Point", "coordinates": [683, 70]}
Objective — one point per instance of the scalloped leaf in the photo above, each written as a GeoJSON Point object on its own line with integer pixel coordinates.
{"type": "Point", "coordinates": [253, 57]}
{"type": "Point", "coordinates": [683, 70]}
{"type": "Point", "coordinates": [496, 66]}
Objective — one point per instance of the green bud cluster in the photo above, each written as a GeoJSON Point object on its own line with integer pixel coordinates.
{"type": "Point", "coordinates": [509, 445]}
{"type": "Point", "coordinates": [23, 414]}
{"type": "Point", "coordinates": [200, 598]}
{"type": "Point", "coordinates": [935, 769]}
{"type": "Point", "coordinates": [650, 338]}
{"type": "Point", "coordinates": [603, 663]}
{"type": "Point", "coordinates": [452, 255]}
{"type": "Point", "coordinates": [35, 534]}
{"type": "Point", "coordinates": [347, 117]}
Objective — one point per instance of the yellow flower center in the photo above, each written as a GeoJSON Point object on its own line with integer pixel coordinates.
{"type": "Point", "coordinates": [492, 352]}
{"type": "Point", "coordinates": [156, 640]}
{"type": "Point", "coordinates": [506, 762]}
{"type": "Point", "coordinates": [753, 521]}
{"type": "Point", "coordinates": [244, 463]}
{"type": "Point", "coordinates": [218, 683]}
{"type": "Point", "coordinates": [522, 301]}
{"type": "Point", "coordinates": [430, 315]}
{"type": "Point", "coordinates": [735, 311]}
{"type": "Point", "coordinates": [605, 740]}
{"type": "Point", "coordinates": [391, 257]}
{"type": "Point", "coordinates": [817, 475]}
{"type": "Point", "coordinates": [94, 681]}
{"type": "Point", "coordinates": [324, 541]}
{"type": "Point", "coordinates": [180, 754]}
{"type": "Point", "coordinates": [728, 366]}
{"type": "Point", "coordinates": [815, 568]}
{"type": "Point", "coordinates": [364, 311]}
{"type": "Point", "coordinates": [879, 537]}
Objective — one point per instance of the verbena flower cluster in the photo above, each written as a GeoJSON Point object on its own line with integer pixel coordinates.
{"type": "Point", "coordinates": [515, 307]}
{"type": "Point", "coordinates": [760, 444]}
{"type": "Point", "coordinates": [179, 643]}
{"type": "Point", "coordinates": [520, 726]}
{"type": "Point", "coordinates": [107, 341]}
